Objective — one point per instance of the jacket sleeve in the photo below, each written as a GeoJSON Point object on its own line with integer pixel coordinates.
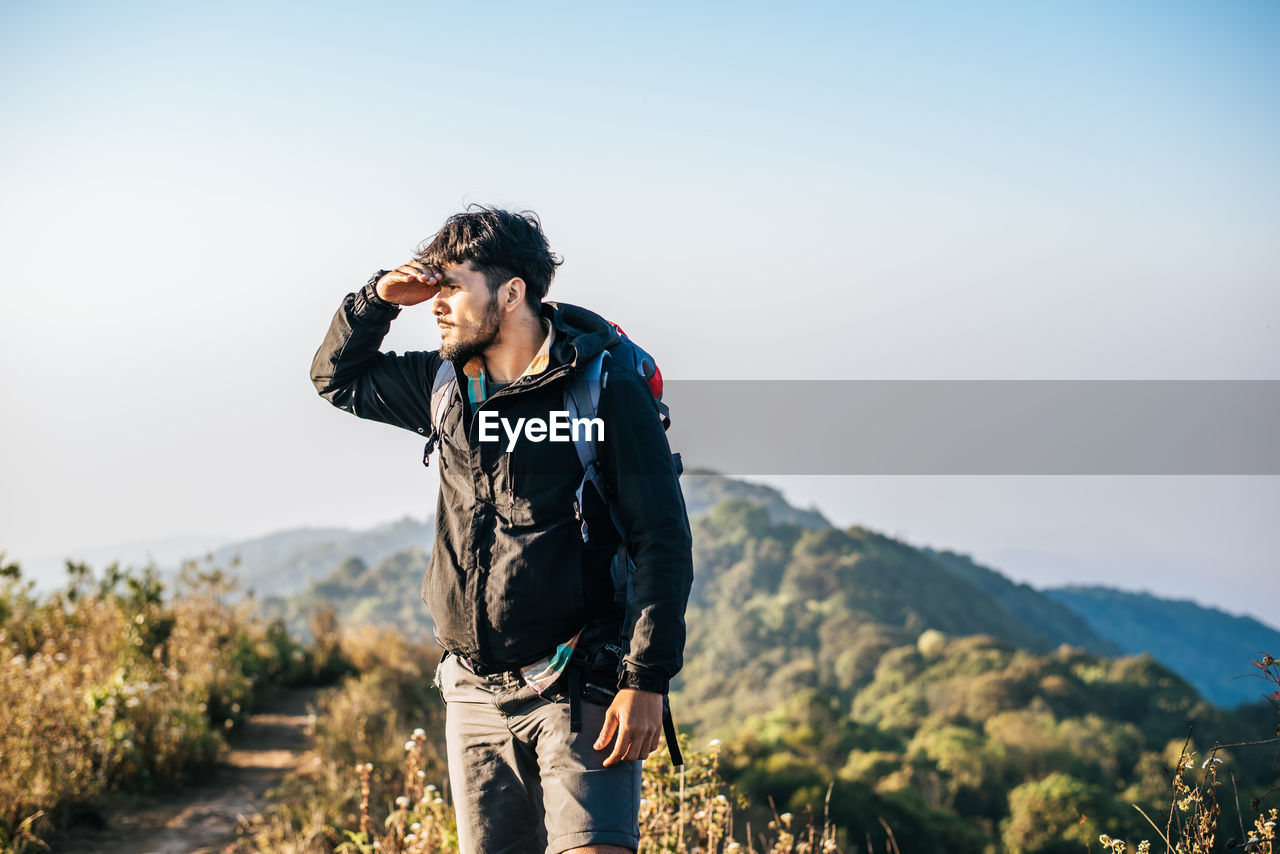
{"type": "Point", "coordinates": [648, 505]}
{"type": "Point", "coordinates": [350, 372]}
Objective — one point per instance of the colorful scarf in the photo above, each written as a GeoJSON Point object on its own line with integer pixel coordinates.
{"type": "Point", "coordinates": [541, 675]}
{"type": "Point", "coordinates": [477, 380]}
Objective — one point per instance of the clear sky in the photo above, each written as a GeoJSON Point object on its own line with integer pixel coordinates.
{"type": "Point", "coordinates": [1067, 190]}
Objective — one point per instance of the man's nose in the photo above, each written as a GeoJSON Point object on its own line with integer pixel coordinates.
{"type": "Point", "coordinates": [438, 306]}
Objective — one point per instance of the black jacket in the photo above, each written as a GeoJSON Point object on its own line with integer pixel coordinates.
{"type": "Point", "coordinates": [510, 577]}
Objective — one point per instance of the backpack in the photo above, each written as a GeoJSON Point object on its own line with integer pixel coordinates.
{"type": "Point", "coordinates": [582, 400]}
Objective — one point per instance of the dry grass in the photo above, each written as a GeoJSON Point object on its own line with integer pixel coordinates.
{"type": "Point", "coordinates": [105, 686]}
{"type": "Point", "coordinates": [1192, 825]}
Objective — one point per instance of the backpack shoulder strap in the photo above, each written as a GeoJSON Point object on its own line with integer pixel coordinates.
{"type": "Point", "coordinates": [442, 391]}
{"type": "Point", "coordinates": [582, 400]}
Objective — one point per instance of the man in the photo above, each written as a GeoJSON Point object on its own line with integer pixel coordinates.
{"type": "Point", "coordinates": [542, 756]}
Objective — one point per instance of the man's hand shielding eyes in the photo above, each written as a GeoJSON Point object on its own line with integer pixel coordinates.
{"type": "Point", "coordinates": [410, 284]}
{"type": "Point", "coordinates": [636, 716]}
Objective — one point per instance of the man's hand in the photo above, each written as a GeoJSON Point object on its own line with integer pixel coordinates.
{"type": "Point", "coordinates": [637, 718]}
{"type": "Point", "coordinates": [410, 284]}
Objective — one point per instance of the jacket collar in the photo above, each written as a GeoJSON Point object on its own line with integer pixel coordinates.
{"type": "Point", "coordinates": [477, 381]}
{"type": "Point", "coordinates": [580, 333]}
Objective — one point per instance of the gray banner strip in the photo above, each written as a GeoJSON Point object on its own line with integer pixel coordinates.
{"type": "Point", "coordinates": [1133, 427]}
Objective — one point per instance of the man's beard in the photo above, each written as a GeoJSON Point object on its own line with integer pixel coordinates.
{"type": "Point", "coordinates": [474, 339]}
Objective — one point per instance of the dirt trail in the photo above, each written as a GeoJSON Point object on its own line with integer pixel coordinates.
{"type": "Point", "coordinates": [201, 817]}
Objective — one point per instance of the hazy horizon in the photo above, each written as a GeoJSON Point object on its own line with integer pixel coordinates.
{"type": "Point", "coordinates": [1045, 560]}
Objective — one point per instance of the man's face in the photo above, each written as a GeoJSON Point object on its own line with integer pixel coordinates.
{"type": "Point", "coordinates": [468, 316]}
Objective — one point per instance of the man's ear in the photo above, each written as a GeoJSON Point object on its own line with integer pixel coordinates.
{"type": "Point", "coordinates": [513, 294]}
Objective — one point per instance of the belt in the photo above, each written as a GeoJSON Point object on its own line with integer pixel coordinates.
{"type": "Point", "coordinates": [484, 671]}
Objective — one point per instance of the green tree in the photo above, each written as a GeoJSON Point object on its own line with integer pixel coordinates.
{"type": "Point", "coordinates": [1056, 815]}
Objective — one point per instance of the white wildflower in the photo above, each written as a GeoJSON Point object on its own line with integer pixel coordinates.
{"type": "Point", "coordinates": [410, 745]}
{"type": "Point", "coordinates": [402, 802]}
{"type": "Point", "coordinates": [419, 733]}
{"type": "Point", "coordinates": [715, 742]}
{"type": "Point", "coordinates": [1205, 764]}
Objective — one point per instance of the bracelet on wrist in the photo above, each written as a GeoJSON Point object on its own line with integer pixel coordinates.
{"type": "Point", "coordinates": [371, 292]}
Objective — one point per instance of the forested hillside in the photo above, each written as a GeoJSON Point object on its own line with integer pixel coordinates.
{"type": "Point", "coordinates": [1052, 620]}
{"type": "Point", "coordinates": [1210, 648]}
{"type": "Point", "coordinates": [846, 659]}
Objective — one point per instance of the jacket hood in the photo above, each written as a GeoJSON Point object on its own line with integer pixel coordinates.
{"type": "Point", "coordinates": [580, 333]}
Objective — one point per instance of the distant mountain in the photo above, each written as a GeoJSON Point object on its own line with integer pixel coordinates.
{"type": "Point", "coordinates": [281, 563]}
{"type": "Point", "coordinates": [1042, 615]}
{"type": "Point", "coordinates": [374, 576]}
{"type": "Point", "coordinates": [1206, 646]}
{"type": "Point", "coordinates": [835, 599]}
{"type": "Point", "coordinates": [388, 593]}
{"type": "Point", "coordinates": [705, 489]}
{"type": "Point", "coordinates": [165, 553]}
{"type": "Point", "coordinates": [286, 562]}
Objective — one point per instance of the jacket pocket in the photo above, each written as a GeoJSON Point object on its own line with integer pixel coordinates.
{"type": "Point", "coordinates": [516, 509]}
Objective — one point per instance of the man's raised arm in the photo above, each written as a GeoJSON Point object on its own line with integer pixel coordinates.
{"type": "Point", "coordinates": [351, 373]}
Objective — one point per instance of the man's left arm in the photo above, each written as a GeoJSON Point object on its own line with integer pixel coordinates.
{"type": "Point", "coordinates": [647, 504]}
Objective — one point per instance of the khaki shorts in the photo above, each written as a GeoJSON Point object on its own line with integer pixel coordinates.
{"type": "Point", "coordinates": [522, 783]}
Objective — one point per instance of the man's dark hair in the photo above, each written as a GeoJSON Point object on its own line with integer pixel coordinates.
{"type": "Point", "coordinates": [500, 244]}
